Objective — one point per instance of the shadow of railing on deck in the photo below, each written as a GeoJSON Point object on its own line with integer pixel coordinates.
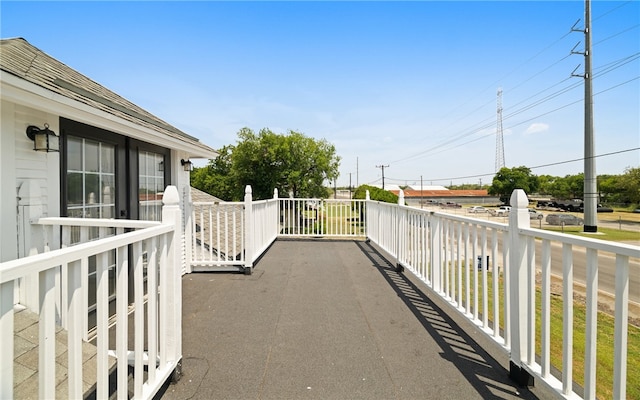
{"type": "Point", "coordinates": [475, 364]}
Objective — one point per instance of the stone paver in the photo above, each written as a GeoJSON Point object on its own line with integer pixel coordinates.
{"type": "Point", "coordinates": [26, 333]}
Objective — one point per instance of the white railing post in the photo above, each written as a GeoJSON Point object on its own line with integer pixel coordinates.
{"type": "Point", "coordinates": [367, 225]}
{"type": "Point", "coordinates": [188, 234]}
{"type": "Point", "coordinates": [401, 232]}
{"type": "Point", "coordinates": [6, 335]}
{"type": "Point", "coordinates": [436, 254]}
{"type": "Point", "coordinates": [276, 213]}
{"type": "Point", "coordinates": [249, 230]}
{"type": "Point", "coordinates": [519, 287]}
{"type": "Point", "coordinates": [30, 238]}
{"type": "Point", "coordinates": [171, 215]}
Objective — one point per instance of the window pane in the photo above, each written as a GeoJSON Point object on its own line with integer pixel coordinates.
{"type": "Point", "coordinates": [74, 188]}
{"type": "Point", "coordinates": [108, 212]}
{"type": "Point", "coordinates": [74, 154]}
{"type": "Point", "coordinates": [150, 185]}
{"type": "Point", "coordinates": [108, 158]}
{"type": "Point", "coordinates": [108, 188]}
{"type": "Point", "coordinates": [92, 189]}
{"type": "Point", "coordinates": [91, 156]}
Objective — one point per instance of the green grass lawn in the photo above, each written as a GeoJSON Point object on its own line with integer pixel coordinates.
{"type": "Point", "coordinates": [615, 235]}
{"type": "Point", "coordinates": [334, 218]}
{"type": "Point", "coordinates": [604, 358]}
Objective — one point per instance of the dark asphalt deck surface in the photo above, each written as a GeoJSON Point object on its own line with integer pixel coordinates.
{"type": "Point", "coordinates": [328, 320]}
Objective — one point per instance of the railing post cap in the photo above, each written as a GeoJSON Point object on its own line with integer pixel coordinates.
{"type": "Point", "coordinates": [519, 199]}
{"type": "Point", "coordinates": [170, 196]}
{"type": "Point", "coordinates": [248, 190]}
{"type": "Point", "coordinates": [275, 193]}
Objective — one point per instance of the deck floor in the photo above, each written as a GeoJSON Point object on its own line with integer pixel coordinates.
{"type": "Point", "coordinates": [323, 319]}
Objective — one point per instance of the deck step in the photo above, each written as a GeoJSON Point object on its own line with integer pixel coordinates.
{"type": "Point", "coordinates": [26, 332]}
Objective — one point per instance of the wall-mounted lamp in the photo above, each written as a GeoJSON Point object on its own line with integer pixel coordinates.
{"type": "Point", "coordinates": [43, 139]}
{"type": "Point", "coordinates": [187, 165]}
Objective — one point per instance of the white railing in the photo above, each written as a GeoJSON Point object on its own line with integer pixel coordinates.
{"type": "Point", "coordinates": [322, 217]}
{"type": "Point", "coordinates": [457, 258]}
{"type": "Point", "coordinates": [485, 270]}
{"type": "Point", "coordinates": [230, 236]}
{"type": "Point", "coordinates": [218, 232]}
{"type": "Point", "coordinates": [262, 222]}
{"type": "Point", "coordinates": [74, 231]}
{"type": "Point", "coordinates": [156, 328]}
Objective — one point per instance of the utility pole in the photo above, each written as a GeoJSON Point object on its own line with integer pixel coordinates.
{"type": "Point", "coordinates": [349, 185]}
{"type": "Point", "coordinates": [590, 178]}
{"type": "Point", "coordinates": [590, 199]}
{"type": "Point", "coordinates": [382, 167]}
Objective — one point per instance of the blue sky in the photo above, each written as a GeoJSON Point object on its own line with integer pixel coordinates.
{"type": "Point", "coordinates": [411, 85]}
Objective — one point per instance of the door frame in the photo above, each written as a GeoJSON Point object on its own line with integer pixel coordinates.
{"type": "Point", "coordinates": [126, 168]}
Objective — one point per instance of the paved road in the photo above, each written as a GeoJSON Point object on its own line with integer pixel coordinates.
{"type": "Point", "coordinates": [606, 262]}
{"type": "Point", "coordinates": [606, 269]}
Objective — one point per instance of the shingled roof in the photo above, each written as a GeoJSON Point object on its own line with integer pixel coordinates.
{"type": "Point", "coordinates": [18, 57]}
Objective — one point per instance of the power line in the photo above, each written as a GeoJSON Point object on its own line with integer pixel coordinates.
{"type": "Point", "coordinates": [611, 67]}
{"type": "Point", "coordinates": [532, 168]}
{"type": "Point", "coordinates": [484, 124]}
{"type": "Point", "coordinates": [499, 135]}
{"type": "Point", "coordinates": [535, 117]}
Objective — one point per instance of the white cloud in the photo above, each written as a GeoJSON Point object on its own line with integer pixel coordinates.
{"type": "Point", "coordinates": [538, 127]}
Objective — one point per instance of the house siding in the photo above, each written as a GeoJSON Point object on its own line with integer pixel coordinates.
{"type": "Point", "coordinates": [20, 165]}
{"type": "Point", "coordinates": [8, 198]}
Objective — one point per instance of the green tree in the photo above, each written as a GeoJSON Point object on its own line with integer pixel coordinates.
{"type": "Point", "coordinates": [292, 163]}
{"type": "Point", "coordinates": [559, 188]}
{"type": "Point", "coordinates": [509, 179]}
{"type": "Point", "coordinates": [309, 164]}
{"type": "Point", "coordinates": [545, 183]}
{"type": "Point", "coordinates": [610, 189]}
{"type": "Point", "coordinates": [375, 193]}
{"type": "Point", "coordinates": [576, 186]}
{"type": "Point", "coordinates": [258, 160]}
{"type": "Point", "coordinates": [630, 185]}
{"type": "Point", "coordinates": [215, 178]}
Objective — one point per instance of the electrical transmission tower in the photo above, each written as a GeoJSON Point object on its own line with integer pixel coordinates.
{"type": "Point", "coordinates": [499, 135]}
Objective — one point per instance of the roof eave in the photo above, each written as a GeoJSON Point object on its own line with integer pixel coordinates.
{"type": "Point", "coordinates": [20, 91]}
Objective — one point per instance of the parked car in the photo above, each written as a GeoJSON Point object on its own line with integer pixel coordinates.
{"type": "Point", "coordinates": [502, 211]}
{"type": "Point", "coordinates": [603, 209]}
{"type": "Point", "coordinates": [533, 214]}
{"type": "Point", "coordinates": [477, 209]}
{"type": "Point", "coordinates": [564, 219]}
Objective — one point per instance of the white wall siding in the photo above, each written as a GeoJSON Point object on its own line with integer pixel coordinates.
{"type": "Point", "coordinates": [20, 164]}
{"type": "Point", "coordinates": [8, 198]}
{"type": "Point", "coordinates": [181, 180]}
{"type": "Point", "coordinates": [30, 165]}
